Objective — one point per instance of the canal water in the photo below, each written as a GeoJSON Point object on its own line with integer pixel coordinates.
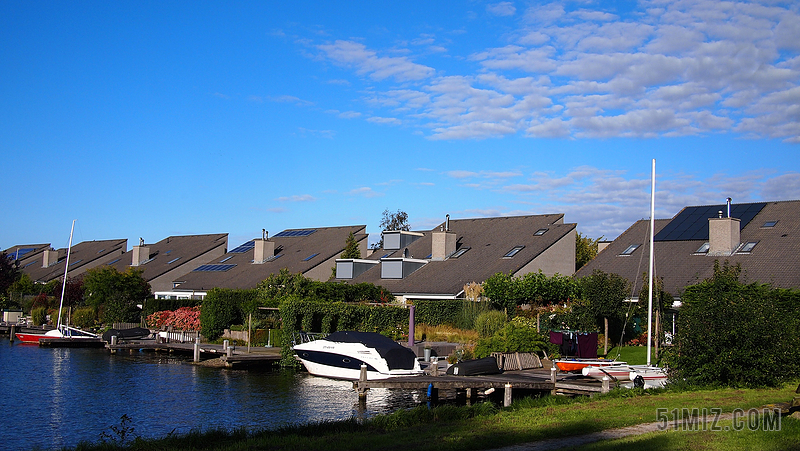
{"type": "Point", "coordinates": [52, 398]}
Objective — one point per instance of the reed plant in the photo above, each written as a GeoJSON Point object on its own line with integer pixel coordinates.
{"type": "Point", "coordinates": [444, 332]}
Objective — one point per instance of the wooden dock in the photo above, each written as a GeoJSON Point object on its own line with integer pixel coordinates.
{"type": "Point", "coordinates": [71, 343]}
{"type": "Point", "coordinates": [231, 357]}
{"type": "Point", "coordinates": [541, 380]}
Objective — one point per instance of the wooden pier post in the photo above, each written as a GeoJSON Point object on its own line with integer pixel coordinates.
{"type": "Point", "coordinates": [362, 384]}
{"type": "Point", "coordinates": [225, 344]}
{"type": "Point", "coordinates": [435, 366]}
{"type": "Point", "coordinates": [11, 334]}
{"type": "Point", "coordinates": [553, 371]}
{"type": "Point", "coordinates": [507, 395]}
{"type": "Point", "coordinates": [606, 384]}
{"type": "Point", "coordinates": [196, 349]}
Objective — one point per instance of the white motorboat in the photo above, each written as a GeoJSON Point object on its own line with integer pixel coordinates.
{"type": "Point", "coordinates": [341, 354]}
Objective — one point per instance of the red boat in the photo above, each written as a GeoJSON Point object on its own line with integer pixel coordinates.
{"type": "Point", "coordinates": [64, 332]}
{"type": "Point", "coordinates": [569, 365]}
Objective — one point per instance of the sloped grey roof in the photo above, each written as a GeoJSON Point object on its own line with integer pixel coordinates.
{"type": "Point", "coordinates": [773, 260]}
{"type": "Point", "coordinates": [296, 254]}
{"type": "Point", "coordinates": [173, 253]}
{"type": "Point", "coordinates": [489, 239]}
{"type": "Point", "coordinates": [83, 255]}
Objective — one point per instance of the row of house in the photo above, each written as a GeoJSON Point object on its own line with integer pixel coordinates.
{"type": "Point", "coordinates": [764, 238]}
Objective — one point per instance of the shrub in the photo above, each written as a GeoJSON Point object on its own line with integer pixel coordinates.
{"type": "Point", "coordinates": [515, 336]}
{"type": "Point", "coordinates": [84, 317]}
{"type": "Point", "coordinates": [490, 322]}
{"type": "Point", "coordinates": [39, 316]}
{"type": "Point", "coordinates": [220, 309]}
{"type": "Point", "coordinates": [736, 334]}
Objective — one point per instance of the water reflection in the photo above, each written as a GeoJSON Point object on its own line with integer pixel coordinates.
{"type": "Point", "coordinates": [64, 396]}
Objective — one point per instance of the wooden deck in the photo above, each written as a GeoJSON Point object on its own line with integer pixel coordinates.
{"type": "Point", "coordinates": [535, 379]}
{"type": "Point", "coordinates": [239, 356]}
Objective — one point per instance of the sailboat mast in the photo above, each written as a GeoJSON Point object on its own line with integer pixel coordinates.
{"type": "Point", "coordinates": [66, 268]}
{"type": "Point", "coordinates": [650, 270]}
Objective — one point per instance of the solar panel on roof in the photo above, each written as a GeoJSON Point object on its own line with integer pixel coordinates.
{"type": "Point", "coordinates": [20, 252]}
{"type": "Point", "coordinates": [244, 247]}
{"type": "Point", "coordinates": [214, 268]}
{"type": "Point", "coordinates": [293, 233]}
{"type": "Point", "coordinates": [692, 222]}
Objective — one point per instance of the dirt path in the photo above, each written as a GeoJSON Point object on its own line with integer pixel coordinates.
{"type": "Point", "coordinates": [580, 440]}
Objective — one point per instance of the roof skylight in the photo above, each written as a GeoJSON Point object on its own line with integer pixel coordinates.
{"type": "Point", "coordinates": [629, 250]}
{"type": "Point", "coordinates": [540, 232]}
{"type": "Point", "coordinates": [769, 224]}
{"type": "Point", "coordinates": [747, 247]}
{"type": "Point", "coordinates": [514, 251]}
{"type": "Point", "coordinates": [460, 252]}
{"type": "Point", "coordinates": [703, 249]}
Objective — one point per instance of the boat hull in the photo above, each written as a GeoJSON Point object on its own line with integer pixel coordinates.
{"type": "Point", "coordinates": [580, 364]}
{"type": "Point", "coordinates": [342, 354]}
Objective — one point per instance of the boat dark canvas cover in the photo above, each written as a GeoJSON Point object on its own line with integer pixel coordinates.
{"type": "Point", "coordinates": [397, 357]}
{"type": "Point", "coordinates": [136, 332]}
{"type": "Point", "coordinates": [477, 367]}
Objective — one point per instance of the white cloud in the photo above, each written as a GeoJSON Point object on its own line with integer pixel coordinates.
{"type": "Point", "coordinates": [367, 62]}
{"type": "Point", "coordinates": [365, 191]}
{"type": "Point", "coordinates": [664, 69]}
{"type": "Point", "coordinates": [298, 198]}
{"type": "Point", "coordinates": [501, 9]}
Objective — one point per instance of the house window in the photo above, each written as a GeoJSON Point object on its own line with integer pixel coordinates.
{"type": "Point", "coordinates": [703, 249]}
{"type": "Point", "coordinates": [629, 250]}
{"type": "Point", "coordinates": [540, 232]}
{"type": "Point", "coordinates": [769, 224]}
{"type": "Point", "coordinates": [747, 247]}
{"type": "Point", "coordinates": [513, 251]}
{"type": "Point", "coordinates": [460, 252]}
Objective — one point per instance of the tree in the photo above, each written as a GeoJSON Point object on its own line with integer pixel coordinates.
{"type": "Point", "coordinates": [605, 294]}
{"type": "Point", "coordinates": [392, 221]}
{"type": "Point", "coordinates": [116, 294]}
{"type": "Point", "coordinates": [9, 272]}
{"type": "Point", "coordinates": [585, 250]}
{"type": "Point", "coordinates": [351, 249]}
{"type": "Point", "coordinates": [736, 334]}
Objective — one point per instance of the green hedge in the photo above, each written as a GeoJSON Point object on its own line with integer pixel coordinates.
{"type": "Point", "coordinates": [223, 307]}
{"type": "Point", "coordinates": [455, 312]}
{"type": "Point", "coordinates": [322, 316]}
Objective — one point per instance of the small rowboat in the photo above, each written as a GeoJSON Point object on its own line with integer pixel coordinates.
{"type": "Point", "coordinates": [570, 365]}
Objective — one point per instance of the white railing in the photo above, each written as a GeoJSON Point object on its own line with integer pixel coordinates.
{"type": "Point", "coordinates": [178, 336]}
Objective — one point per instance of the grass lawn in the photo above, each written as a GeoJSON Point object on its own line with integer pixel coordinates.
{"type": "Point", "coordinates": [633, 355]}
{"type": "Point", "coordinates": [484, 426]}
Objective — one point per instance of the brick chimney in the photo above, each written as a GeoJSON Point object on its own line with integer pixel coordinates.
{"type": "Point", "coordinates": [263, 250]}
{"type": "Point", "coordinates": [50, 256]}
{"type": "Point", "coordinates": [141, 254]}
{"type": "Point", "coordinates": [443, 242]}
{"type": "Point", "coordinates": [723, 235]}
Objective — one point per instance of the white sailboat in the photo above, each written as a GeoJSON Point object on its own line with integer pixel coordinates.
{"type": "Point", "coordinates": [61, 330]}
{"type": "Point", "coordinates": [647, 376]}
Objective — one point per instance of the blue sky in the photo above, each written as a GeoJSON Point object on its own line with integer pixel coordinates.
{"type": "Point", "coordinates": [151, 119]}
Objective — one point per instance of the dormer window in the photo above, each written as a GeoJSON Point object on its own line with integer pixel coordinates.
{"type": "Point", "coordinates": [629, 250]}
{"type": "Point", "coordinates": [513, 251]}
